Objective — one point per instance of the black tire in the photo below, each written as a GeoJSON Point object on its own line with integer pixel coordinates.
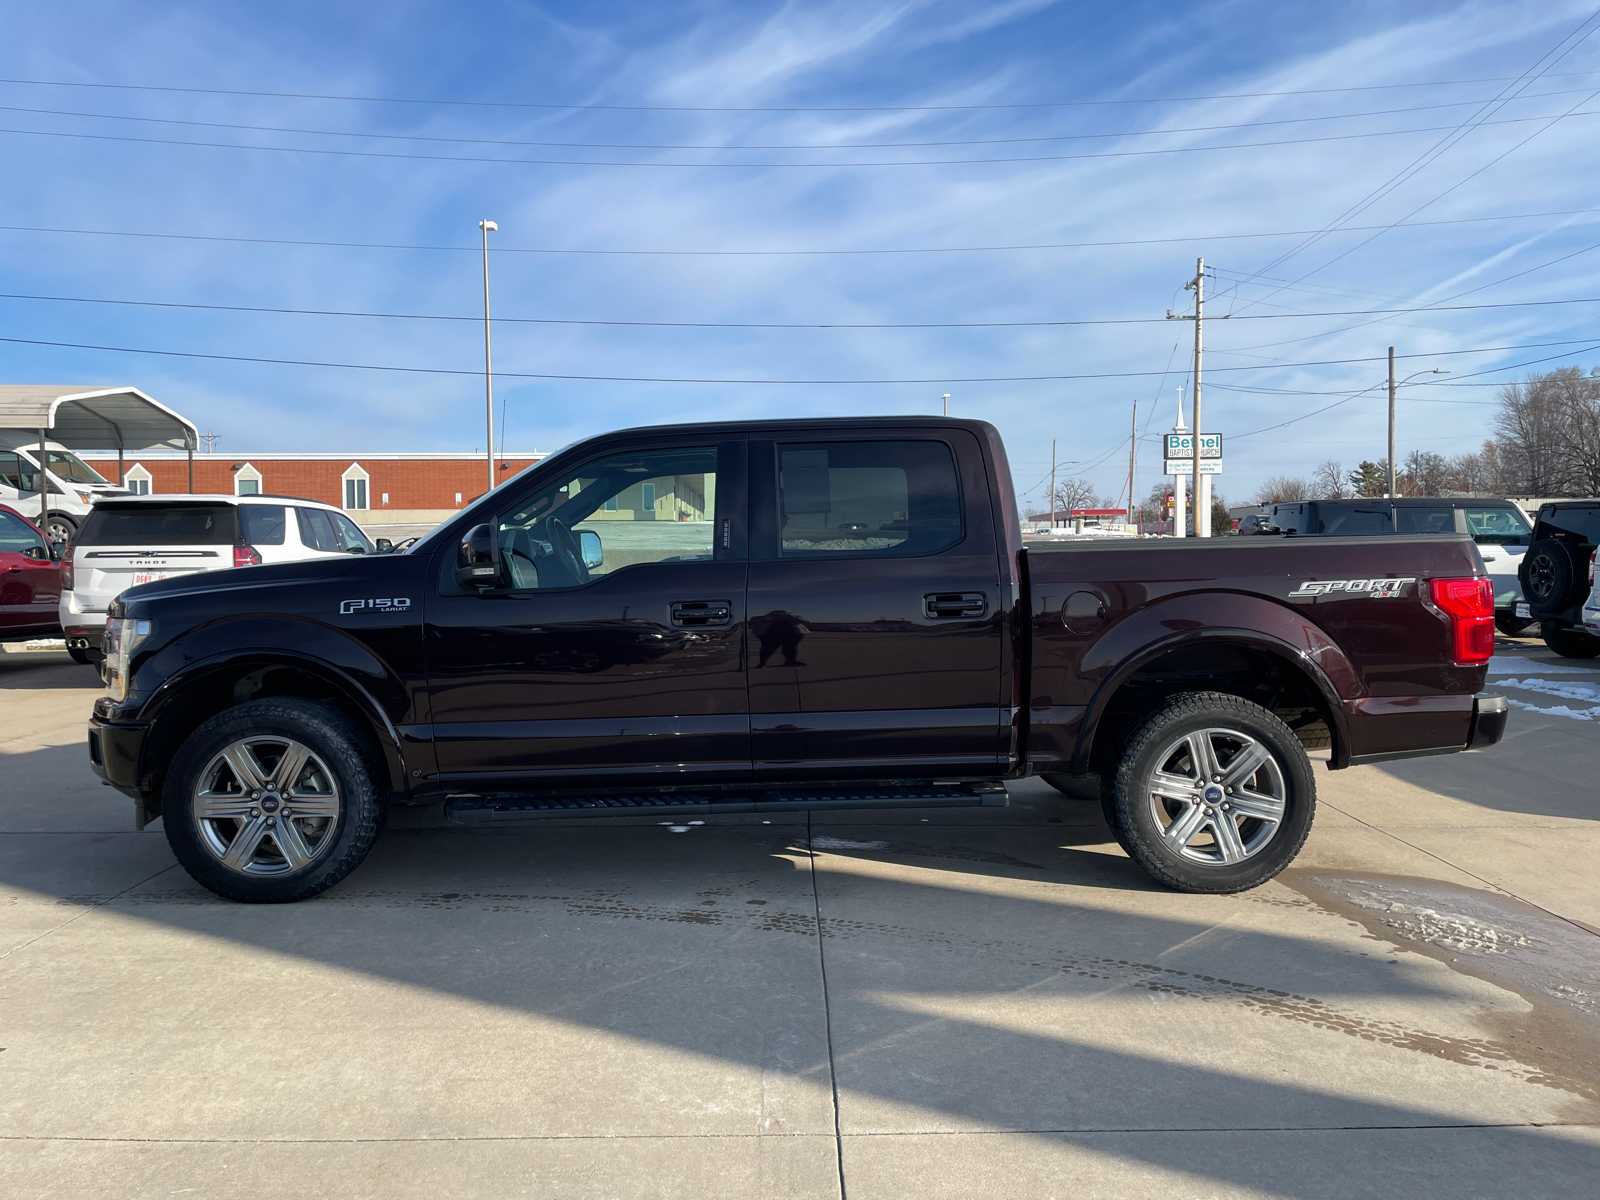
{"type": "Point", "coordinates": [1550, 575]}
{"type": "Point", "coordinates": [1281, 784]}
{"type": "Point", "coordinates": [1513, 626]}
{"type": "Point", "coordinates": [62, 529]}
{"type": "Point", "coordinates": [1569, 642]}
{"type": "Point", "coordinates": [1074, 787]}
{"type": "Point", "coordinates": [337, 782]}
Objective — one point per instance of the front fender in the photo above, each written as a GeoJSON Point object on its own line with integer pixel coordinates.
{"type": "Point", "coordinates": [1217, 618]}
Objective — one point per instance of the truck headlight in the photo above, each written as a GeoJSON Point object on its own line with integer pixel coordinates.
{"type": "Point", "coordinates": [122, 637]}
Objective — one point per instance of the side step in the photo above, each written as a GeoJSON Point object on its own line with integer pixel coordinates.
{"type": "Point", "coordinates": [477, 810]}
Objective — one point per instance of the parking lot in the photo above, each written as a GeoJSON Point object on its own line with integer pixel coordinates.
{"type": "Point", "coordinates": [947, 1004]}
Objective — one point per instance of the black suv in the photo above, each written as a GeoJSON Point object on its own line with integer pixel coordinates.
{"type": "Point", "coordinates": [1557, 573]}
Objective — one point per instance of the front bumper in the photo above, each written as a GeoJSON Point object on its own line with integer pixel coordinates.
{"type": "Point", "coordinates": [115, 751]}
{"type": "Point", "coordinates": [1489, 713]}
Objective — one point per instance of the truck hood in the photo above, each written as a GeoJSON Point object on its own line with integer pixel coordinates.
{"type": "Point", "coordinates": [262, 579]}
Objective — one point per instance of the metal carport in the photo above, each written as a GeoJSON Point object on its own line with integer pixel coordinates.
{"type": "Point", "coordinates": [94, 418]}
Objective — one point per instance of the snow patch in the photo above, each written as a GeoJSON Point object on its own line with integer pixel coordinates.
{"type": "Point", "coordinates": [1566, 690]}
{"type": "Point", "coordinates": [1510, 664]}
{"type": "Point", "coordinates": [1560, 710]}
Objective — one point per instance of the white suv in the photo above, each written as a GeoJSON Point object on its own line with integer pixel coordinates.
{"type": "Point", "coordinates": [129, 540]}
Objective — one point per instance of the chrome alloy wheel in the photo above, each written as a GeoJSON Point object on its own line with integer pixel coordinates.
{"type": "Point", "coordinates": [1217, 796]}
{"type": "Point", "coordinates": [266, 806]}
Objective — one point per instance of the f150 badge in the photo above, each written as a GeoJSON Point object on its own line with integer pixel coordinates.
{"type": "Point", "coordinates": [397, 604]}
{"type": "Point", "coordinates": [1377, 589]}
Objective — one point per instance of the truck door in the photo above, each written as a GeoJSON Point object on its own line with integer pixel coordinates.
{"type": "Point", "coordinates": [876, 641]}
{"type": "Point", "coordinates": [614, 650]}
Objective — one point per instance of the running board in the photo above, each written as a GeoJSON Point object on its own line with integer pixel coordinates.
{"type": "Point", "coordinates": [477, 810]}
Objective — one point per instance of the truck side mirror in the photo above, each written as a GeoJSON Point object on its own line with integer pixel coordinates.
{"type": "Point", "coordinates": [594, 554]}
{"type": "Point", "coordinates": [478, 561]}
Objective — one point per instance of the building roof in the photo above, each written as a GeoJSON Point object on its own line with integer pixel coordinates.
{"type": "Point", "coordinates": [345, 456]}
{"type": "Point", "coordinates": [84, 416]}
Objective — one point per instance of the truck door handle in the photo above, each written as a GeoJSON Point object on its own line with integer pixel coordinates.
{"type": "Point", "coordinates": [697, 614]}
{"type": "Point", "coordinates": [944, 605]}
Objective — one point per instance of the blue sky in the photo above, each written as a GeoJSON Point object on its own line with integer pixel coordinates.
{"type": "Point", "coordinates": [1113, 158]}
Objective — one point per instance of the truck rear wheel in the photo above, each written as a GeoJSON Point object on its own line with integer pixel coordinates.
{"type": "Point", "coordinates": [1211, 794]}
{"type": "Point", "coordinates": [271, 802]}
{"type": "Point", "coordinates": [1512, 626]}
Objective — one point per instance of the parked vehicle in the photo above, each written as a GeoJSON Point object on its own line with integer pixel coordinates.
{"type": "Point", "coordinates": [74, 485]}
{"type": "Point", "coordinates": [764, 617]}
{"type": "Point", "coordinates": [1499, 528]}
{"type": "Point", "coordinates": [1557, 575]}
{"type": "Point", "coordinates": [30, 579]}
{"type": "Point", "coordinates": [135, 540]}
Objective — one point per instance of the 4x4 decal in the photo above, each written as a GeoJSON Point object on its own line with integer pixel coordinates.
{"type": "Point", "coordinates": [1377, 589]}
{"type": "Point", "coordinates": [397, 604]}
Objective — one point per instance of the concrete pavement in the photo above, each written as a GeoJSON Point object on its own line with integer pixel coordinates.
{"type": "Point", "coordinates": [940, 1004]}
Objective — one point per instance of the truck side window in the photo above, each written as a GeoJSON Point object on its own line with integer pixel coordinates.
{"type": "Point", "coordinates": [1497, 526]}
{"type": "Point", "coordinates": [1425, 520]}
{"type": "Point", "coordinates": [867, 498]}
{"type": "Point", "coordinates": [351, 539]}
{"type": "Point", "coordinates": [16, 474]}
{"type": "Point", "coordinates": [630, 507]}
{"type": "Point", "coordinates": [316, 531]}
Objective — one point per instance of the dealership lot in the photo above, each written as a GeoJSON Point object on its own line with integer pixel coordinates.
{"type": "Point", "coordinates": [998, 1002]}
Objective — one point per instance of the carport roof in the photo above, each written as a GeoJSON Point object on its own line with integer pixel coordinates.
{"type": "Point", "coordinates": [85, 417]}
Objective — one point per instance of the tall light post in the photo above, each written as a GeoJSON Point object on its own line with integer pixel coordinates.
{"type": "Point", "coordinates": [488, 227]}
{"type": "Point", "coordinates": [946, 398]}
{"type": "Point", "coordinates": [1393, 387]}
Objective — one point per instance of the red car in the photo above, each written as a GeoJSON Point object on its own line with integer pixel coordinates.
{"type": "Point", "coordinates": [30, 580]}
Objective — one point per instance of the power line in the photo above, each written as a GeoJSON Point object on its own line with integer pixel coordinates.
{"type": "Point", "coordinates": [723, 146]}
{"type": "Point", "coordinates": [1376, 87]}
{"type": "Point", "coordinates": [921, 162]}
{"type": "Point", "coordinates": [291, 362]}
{"type": "Point", "coordinates": [1161, 241]}
{"type": "Point", "coordinates": [391, 316]}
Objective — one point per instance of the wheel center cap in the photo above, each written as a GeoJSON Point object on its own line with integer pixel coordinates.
{"type": "Point", "coordinates": [1213, 794]}
{"type": "Point", "coordinates": [270, 803]}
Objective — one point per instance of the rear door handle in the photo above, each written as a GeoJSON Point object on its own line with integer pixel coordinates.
{"type": "Point", "coordinates": [698, 614]}
{"type": "Point", "coordinates": [946, 605]}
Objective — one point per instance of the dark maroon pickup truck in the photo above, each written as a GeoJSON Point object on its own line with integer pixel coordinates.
{"type": "Point", "coordinates": [782, 615]}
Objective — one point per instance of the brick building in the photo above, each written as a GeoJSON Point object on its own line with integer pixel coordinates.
{"type": "Point", "coordinates": [378, 486]}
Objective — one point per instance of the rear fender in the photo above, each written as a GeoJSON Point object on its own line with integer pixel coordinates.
{"type": "Point", "coordinates": [1218, 618]}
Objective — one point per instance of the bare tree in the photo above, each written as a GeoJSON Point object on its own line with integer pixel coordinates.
{"type": "Point", "coordinates": [1424, 474]}
{"type": "Point", "coordinates": [1282, 487]}
{"type": "Point", "coordinates": [1076, 493]}
{"type": "Point", "coordinates": [1528, 432]}
{"type": "Point", "coordinates": [1328, 481]}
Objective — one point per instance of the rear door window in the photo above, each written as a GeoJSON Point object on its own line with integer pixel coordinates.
{"type": "Point", "coordinates": [1425, 520]}
{"type": "Point", "coordinates": [317, 532]}
{"type": "Point", "coordinates": [872, 499]}
{"type": "Point", "coordinates": [1497, 526]}
{"type": "Point", "coordinates": [1580, 523]}
{"type": "Point", "coordinates": [261, 524]}
{"type": "Point", "coordinates": [160, 525]}
{"type": "Point", "coordinates": [351, 539]}
{"type": "Point", "coordinates": [1352, 521]}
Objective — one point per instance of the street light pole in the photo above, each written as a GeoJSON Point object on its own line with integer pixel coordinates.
{"type": "Point", "coordinates": [1391, 422]}
{"type": "Point", "coordinates": [946, 404]}
{"type": "Point", "coordinates": [488, 227]}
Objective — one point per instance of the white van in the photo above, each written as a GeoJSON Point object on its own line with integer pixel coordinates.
{"type": "Point", "coordinates": [129, 540]}
{"type": "Point", "coordinates": [74, 484]}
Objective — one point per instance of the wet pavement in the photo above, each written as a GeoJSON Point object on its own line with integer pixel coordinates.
{"type": "Point", "coordinates": [950, 1003]}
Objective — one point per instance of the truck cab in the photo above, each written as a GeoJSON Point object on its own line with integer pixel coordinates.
{"type": "Point", "coordinates": [73, 485]}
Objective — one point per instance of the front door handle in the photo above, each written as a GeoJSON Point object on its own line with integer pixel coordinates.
{"type": "Point", "coordinates": [698, 614]}
{"type": "Point", "coordinates": [945, 605]}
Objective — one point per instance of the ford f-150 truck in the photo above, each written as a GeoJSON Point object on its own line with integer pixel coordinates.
{"type": "Point", "coordinates": [782, 615]}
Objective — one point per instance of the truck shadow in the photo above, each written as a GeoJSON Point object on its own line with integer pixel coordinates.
{"type": "Point", "coordinates": [982, 976]}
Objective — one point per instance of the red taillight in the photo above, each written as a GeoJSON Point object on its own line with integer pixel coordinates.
{"type": "Point", "coordinates": [66, 572]}
{"type": "Point", "coordinates": [246, 556]}
{"type": "Point", "coordinates": [1469, 603]}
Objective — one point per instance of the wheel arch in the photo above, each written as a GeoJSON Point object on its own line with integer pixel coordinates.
{"type": "Point", "coordinates": [1307, 681]}
{"type": "Point", "coordinates": [186, 700]}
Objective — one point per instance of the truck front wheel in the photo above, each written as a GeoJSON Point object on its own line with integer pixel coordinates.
{"type": "Point", "coordinates": [272, 801]}
{"type": "Point", "coordinates": [1211, 794]}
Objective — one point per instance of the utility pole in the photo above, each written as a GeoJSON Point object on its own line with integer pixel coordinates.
{"type": "Point", "coordinates": [1133, 454]}
{"type": "Point", "coordinates": [1391, 422]}
{"type": "Point", "coordinates": [1202, 484]}
{"type": "Point", "coordinates": [1052, 483]}
{"type": "Point", "coordinates": [488, 227]}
